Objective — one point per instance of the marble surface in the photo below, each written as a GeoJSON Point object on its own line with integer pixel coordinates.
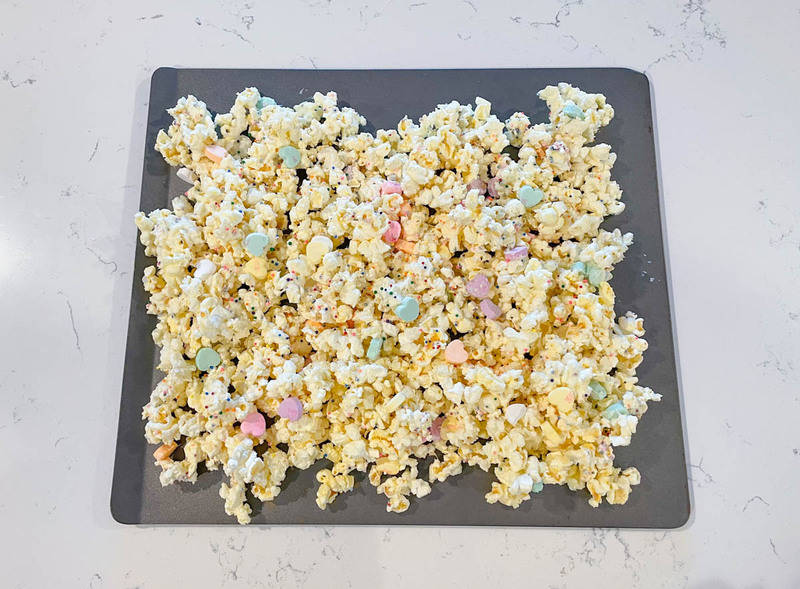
{"type": "Point", "coordinates": [73, 87]}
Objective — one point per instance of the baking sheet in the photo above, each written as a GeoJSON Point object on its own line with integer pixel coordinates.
{"type": "Point", "coordinates": [640, 283]}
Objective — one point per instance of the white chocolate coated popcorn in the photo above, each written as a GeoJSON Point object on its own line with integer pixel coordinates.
{"type": "Point", "coordinates": [372, 240]}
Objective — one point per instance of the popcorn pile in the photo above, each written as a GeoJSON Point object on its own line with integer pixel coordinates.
{"type": "Point", "coordinates": [438, 292]}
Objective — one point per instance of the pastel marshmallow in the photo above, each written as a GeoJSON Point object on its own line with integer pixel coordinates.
{"type": "Point", "coordinates": [517, 253]}
{"type": "Point", "coordinates": [489, 309]}
{"type": "Point", "coordinates": [291, 408]}
{"type": "Point", "coordinates": [392, 233]}
{"type": "Point", "coordinates": [254, 424]}
{"type": "Point", "coordinates": [391, 187]}
{"type": "Point", "coordinates": [479, 286]}
{"type": "Point", "coordinates": [455, 352]}
{"type": "Point", "coordinates": [215, 153]}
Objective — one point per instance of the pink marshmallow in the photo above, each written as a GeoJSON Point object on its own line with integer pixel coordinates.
{"type": "Point", "coordinates": [391, 187]}
{"type": "Point", "coordinates": [477, 184]}
{"type": "Point", "coordinates": [254, 424]}
{"type": "Point", "coordinates": [478, 287]}
{"type": "Point", "coordinates": [455, 352]}
{"type": "Point", "coordinates": [489, 309]}
{"type": "Point", "coordinates": [291, 408]}
{"type": "Point", "coordinates": [392, 234]}
{"type": "Point", "coordinates": [492, 187]}
{"type": "Point", "coordinates": [215, 152]}
{"type": "Point", "coordinates": [517, 253]}
{"type": "Point", "coordinates": [436, 429]}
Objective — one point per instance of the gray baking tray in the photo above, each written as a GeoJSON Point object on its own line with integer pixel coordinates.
{"type": "Point", "coordinates": [640, 282]}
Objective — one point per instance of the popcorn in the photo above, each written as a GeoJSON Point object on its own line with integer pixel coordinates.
{"type": "Point", "coordinates": [380, 299]}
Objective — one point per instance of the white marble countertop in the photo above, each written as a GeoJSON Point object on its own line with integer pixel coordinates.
{"type": "Point", "coordinates": [73, 87]}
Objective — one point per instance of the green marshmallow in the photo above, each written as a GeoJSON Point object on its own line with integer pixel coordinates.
{"type": "Point", "coordinates": [615, 410]}
{"type": "Point", "coordinates": [530, 196]}
{"type": "Point", "coordinates": [598, 391]}
{"type": "Point", "coordinates": [255, 243]}
{"type": "Point", "coordinates": [290, 156]}
{"type": "Point", "coordinates": [374, 349]}
{"type": "Point", "coordinates": [537, 487]}
{"type": "Point", "coordinates": [595, 274]}
{"type": "Point", "coordinates": [207, 359]}
{"type": "Point", "coordinates": [265, 101]}
{"type": "Point", "coordinates": [579, 267]}
{"type": "Point", "coordinates": [408, 309]}
{"type": "Point", "coordinates": [572, 110]}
